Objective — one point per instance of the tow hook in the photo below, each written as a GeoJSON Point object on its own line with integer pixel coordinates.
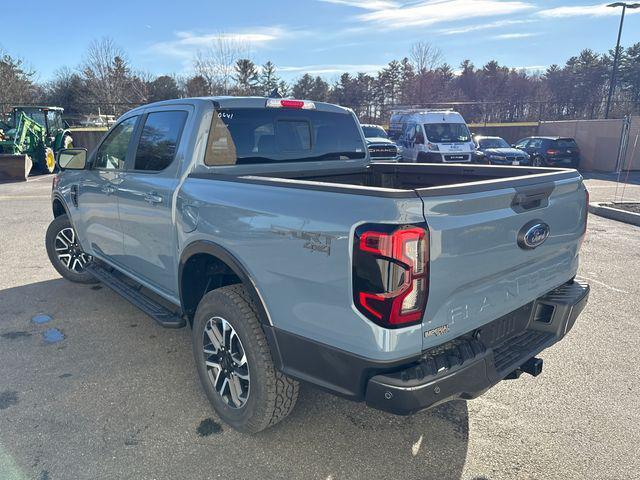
{"type": "Point", "coordinates": [533, 367]}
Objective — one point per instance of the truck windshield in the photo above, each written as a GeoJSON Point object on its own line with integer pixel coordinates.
{"type": "Point", "coordinates": [447, 132]}
{"type": "Point", "coordinates": [36, 115]}
{"type": "Point", "coordinates": [264, 135]}
{"type": "Point", "coordinates": [374, 132]}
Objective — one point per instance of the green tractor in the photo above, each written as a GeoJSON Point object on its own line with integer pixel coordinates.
{"type": "Point", "coordinates": [30, 140]}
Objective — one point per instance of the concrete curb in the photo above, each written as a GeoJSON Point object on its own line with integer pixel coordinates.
{"type": "Point", "coordinates": [599, 208]}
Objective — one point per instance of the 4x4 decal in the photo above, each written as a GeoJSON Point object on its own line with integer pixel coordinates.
{"type": "Point", "coordinates": [314, 241]}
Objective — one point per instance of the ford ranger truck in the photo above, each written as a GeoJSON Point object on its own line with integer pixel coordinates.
{"type": "Point", "coordinates": [262, 225]}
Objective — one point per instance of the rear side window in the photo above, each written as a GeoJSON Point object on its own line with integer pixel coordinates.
{"type": "Point", "coordinates": [264, 135]}
{"type": "Point", "coordinates": [159, 140]}
{"type": "Point", "coordinates": [565, 143]}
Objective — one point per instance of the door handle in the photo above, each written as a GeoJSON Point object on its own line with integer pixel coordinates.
{"type": "Point", "coordinates": [152, 198]}
{"type": "Point", "coordinates": [74, 195]}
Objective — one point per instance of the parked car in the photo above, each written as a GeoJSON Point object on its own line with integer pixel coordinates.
{"type": "Point", "coordinates": [380, 147]}
{"type": "Point", "coordinates": [262, 225]}
{"type": "Point", "coordinates": [496, 151]}
{"type": "Point", "coordinates": [432, 136]}
{"type": "Point", "coordinates": [551, 151]}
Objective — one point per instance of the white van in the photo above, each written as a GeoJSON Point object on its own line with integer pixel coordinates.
{"type": "Point", "coordinates": [432, 136]}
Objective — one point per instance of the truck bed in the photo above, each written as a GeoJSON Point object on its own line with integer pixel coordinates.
{"type": "Point", "coordinates": [400, 180]}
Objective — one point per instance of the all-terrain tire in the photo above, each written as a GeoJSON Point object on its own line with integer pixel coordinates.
{"type": "Point", "coordinates": [58, 225]}
{"type": "Point", "coordinates": [272, 395]}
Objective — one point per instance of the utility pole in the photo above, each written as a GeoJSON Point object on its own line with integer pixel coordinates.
{"type": "Point", "coordinates": [612, 82]}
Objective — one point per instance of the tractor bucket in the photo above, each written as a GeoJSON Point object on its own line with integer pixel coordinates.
{"type": "Point", "coordinates": [15, 168]}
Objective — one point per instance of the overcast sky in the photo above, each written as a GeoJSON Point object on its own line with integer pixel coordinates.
{"type": "Point", "coordinates": [317, 36]}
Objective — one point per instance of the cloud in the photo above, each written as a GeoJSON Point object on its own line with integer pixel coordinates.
{"type": "Point", "coordinates": [437, 11]}
{"type": "Point", "coordinates": [185, 44]}
{"type": "Point", "coordinates": [364, 4]}
{"type": "Point", "coordinates": [514, 36]}
{"type": "Point", "coordinates": [481, 26]}
{"type": "Point", "coordinates": [598, 10]}
{"type": "Point", "coordinates": [332, 68]}
{"type": "Point", "coordinates": [533, 68]}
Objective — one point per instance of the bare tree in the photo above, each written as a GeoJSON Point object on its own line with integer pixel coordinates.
{"type": "Point", "coordinates": [216, 64]}
{"type": "Point", "coordinates": [108, 77]}
{"type": "Point", "coordinates": [425, 57]}
{"type": "Point", "coordinates": [66, 89]}
{"type": "Point", "coordinates": [97, 70]}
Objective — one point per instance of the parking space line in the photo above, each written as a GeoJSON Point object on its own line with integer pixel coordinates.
{"type": "Point", "coordinates": [603, 284]}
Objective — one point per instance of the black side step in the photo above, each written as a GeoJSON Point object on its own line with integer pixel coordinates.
{"type": "Point", "coordinates": [155, 310]}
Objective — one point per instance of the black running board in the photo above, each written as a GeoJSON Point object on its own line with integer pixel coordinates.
{"type": "Point", "coordinates": [158, 312]}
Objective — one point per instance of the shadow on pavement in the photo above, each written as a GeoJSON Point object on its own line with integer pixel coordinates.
{"type": "Point", "coordinates": [120, 387]}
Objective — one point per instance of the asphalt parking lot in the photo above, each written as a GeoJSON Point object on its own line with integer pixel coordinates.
{"type": "Point", "coordinates": [118, 396]}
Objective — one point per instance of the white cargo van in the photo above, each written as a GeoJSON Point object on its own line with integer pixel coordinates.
{"type": "Point", "coordinates": [432, 136]}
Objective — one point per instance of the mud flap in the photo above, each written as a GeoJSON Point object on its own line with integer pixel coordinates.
{"type": "Point", "coordinates": [15, 168]}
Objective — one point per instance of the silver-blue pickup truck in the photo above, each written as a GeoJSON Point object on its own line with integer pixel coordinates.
{"type": "Point", "coordinates": [262, 224]}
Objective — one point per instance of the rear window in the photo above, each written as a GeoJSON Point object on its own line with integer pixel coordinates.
{"type": "Point", "coordinates": [564, 143]}
{"type": "Point", "coordinates": [262, 135]}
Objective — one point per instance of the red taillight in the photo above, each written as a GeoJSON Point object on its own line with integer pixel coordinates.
{"type": "Point", "coordinates": [292, 103]}
{"type": "Point", "coordinates": [390, 274]}
{"type": "Point", "coordinates": [288, 103]}
{"type": "Point", "coordinates": [552, 152]}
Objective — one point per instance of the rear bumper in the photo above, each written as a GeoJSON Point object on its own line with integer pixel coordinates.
{"type": "Point", "coordinates": [469, 365]}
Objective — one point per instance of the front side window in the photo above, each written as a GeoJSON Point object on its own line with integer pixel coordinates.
{"type": "Point", "coordinates": [447, 132]}
{"type": "Point", "coordinates": [522, 143]}
{"type": "Point", "coordinates": [55, 121]}
{"type": "Point", "coordinates": [264, 135]}
{"type": "Point", "coordinates": [113, 152]}
{"type": "Point", "coordinates": [159, 140]}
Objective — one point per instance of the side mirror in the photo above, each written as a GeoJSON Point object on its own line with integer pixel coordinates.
{"type": "Point", "coordinates": [513, 145]}
{"type": "Point", "coordinates": [72, 159]}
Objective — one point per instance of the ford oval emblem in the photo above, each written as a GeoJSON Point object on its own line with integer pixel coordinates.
{"type": "Point", "coordinates": [533, 234]}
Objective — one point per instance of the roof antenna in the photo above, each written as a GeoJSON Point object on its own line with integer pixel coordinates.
{"type": "Point", "coordinates": [275, 93]}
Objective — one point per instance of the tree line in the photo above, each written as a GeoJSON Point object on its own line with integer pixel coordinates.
{"type": "Point", "coordinates": [105, 81]}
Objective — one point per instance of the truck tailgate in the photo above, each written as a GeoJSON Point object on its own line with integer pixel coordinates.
{"type": "Point", "coordinates": [478, 270]}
